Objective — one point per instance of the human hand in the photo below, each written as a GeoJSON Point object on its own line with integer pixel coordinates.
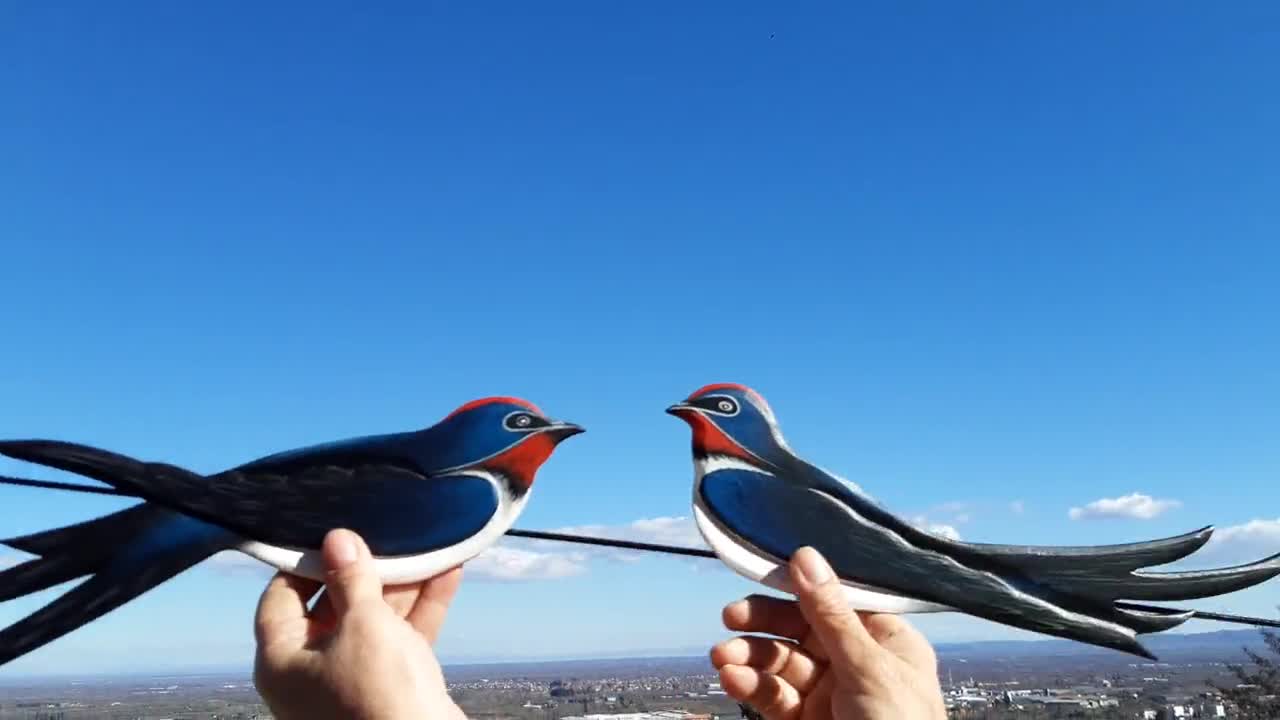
{"type": "Point", "coordinates": [835, 664]}
{"type": "Point", "coordinates": [363, 652]}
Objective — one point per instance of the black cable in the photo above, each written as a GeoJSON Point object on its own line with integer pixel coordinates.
{"type": "Point", "coordinates": [1201, 614]}
{"type": "Point", "coordinates": [609, 542]}
{"type": "Point", "coordinates": [645, 547]}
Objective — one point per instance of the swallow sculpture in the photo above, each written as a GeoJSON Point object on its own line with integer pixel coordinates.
{"type": "Point", "coordinates": [424, 501]}
{"type": "Point", "coordinates": [756, 502]}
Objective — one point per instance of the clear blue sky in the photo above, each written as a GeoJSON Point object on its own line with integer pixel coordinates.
{"type": "Point", "coordinates": [974, 254]}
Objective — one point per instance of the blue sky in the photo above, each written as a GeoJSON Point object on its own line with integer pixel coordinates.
{"type": "Point", "coordinates": [992, 262]}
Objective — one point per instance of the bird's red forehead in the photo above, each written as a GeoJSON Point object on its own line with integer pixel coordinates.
{"type": "Point", "coordinates": [493, 400]}
{"type": "Point", "coordinates": [706, 389]}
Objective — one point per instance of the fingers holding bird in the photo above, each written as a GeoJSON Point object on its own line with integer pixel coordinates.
{"type": "Point", "coordinates": [423, 605]}
{"type": "Point", "coordinates": [779, 674]}
{"type": "Point", "coordinates": [785, 660]}
{"type": "Point", "coordinates": [432, 604]}
{"type": "Point", "coordinates": [772, 674]}
{"type": "Point", "coordinates": [897, 636]}
{"type": "Point", "coordinates": [775, 616]}
{"type": "Point", "coordinates": [400, 598]}
{"type": "Point", "coordinates": [281, 618]}
{"type": "Point", "coordinates": [772, 696]}
{"type": "Point", "coordinates": [769, 615]}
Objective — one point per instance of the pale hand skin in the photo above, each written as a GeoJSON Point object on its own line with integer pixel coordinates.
{"type": "Point", "coordinates": [834, 663]}
{"type": "Point", "coordinates": [363, 652]}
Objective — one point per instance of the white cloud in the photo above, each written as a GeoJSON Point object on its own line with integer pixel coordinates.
{"type": "Point", "coordinates": [1254, 532]}
{"type": "Point", "coordinates": [942, 519]}
{"type": "Point", "coordinates": [945, 531]}
{"type": "Point", "coordinates": [1134, 505]}
{"type": "Point", "coordinates": [1235, 544]}
{"type": "Point", "coordinates": [940, 529]}
{"type": "Point", "coordinates": [507, 564]}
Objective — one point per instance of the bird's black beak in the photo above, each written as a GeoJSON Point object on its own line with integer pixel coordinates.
{"type": "Point", "coordinates": [681, 410]}
{"type": "Point", "coordinates": [564, 430]}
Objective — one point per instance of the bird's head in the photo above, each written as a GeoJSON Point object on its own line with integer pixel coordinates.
{"type": "Point", "coordinates": [733, 420]}
{"type": "Point", "coordinates": [506, 436]}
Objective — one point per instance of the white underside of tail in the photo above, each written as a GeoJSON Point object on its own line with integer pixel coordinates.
{"type": "Point", "coordinates": [403, 568]}
{"type": "Point", "coordinates": [768, 571]}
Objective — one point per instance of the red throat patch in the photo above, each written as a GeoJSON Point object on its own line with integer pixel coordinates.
{"type": "Point", "coordinates": [520, 462]}
{"type": "Point", "coordinates": [711, 440]}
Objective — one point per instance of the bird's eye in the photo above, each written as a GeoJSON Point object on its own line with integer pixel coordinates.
{"type": "Point", "coordinates": [523, 421]}
{"type": "Point", "coordinates": [720, 405]}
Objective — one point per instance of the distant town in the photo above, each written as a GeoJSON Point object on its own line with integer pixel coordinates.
{"type": "Point", "coordinates": [1046, 679]}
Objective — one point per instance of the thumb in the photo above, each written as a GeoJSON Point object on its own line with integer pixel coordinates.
{"type": "Point", "coordinates": [850, 648]}
{"type": "Point", "coordinates": [351, 579]}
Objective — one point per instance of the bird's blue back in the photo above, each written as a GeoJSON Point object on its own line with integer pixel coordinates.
{"type": "Point", "coordinates": [460, 440]}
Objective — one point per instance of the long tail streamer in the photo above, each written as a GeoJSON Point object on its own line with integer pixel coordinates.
{"type": "Point", "coordinates": [630, 545]}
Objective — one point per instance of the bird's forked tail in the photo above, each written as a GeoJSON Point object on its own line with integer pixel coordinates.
{"type": "Point", "coordinates": [124, 554]}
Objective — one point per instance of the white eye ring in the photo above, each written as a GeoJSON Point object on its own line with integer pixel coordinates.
{"type": "Point", "coordinates": [725, 406]}
{"type": "Point", "coordinates": [518, 420]}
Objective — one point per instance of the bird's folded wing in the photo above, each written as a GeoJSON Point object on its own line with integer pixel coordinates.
{"type": "Point", "coordinates": [777, 518]}
{"type": "Point", "coordinates": [1119, 558]}
{"type": "Point", "coordinates": [1098, 573]}
{"type": "Point", "coordinates": [396, 508]}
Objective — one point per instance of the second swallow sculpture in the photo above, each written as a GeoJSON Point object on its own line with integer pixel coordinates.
{"type": "Point", "coordinates": [756, 502]}
{"type": "Point", "coordinates": [424, 501]}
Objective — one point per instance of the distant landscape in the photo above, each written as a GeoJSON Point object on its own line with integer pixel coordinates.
{"type": "Point", "coordinates": [1223, 645]}
{"type": "Point", "coordinates": [980, 679]}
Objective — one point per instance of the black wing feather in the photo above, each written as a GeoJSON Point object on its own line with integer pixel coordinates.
{"type": "Point", "coordinates": [777, 518]}
{"type": "Point", "coordinates": [398, 509]}
{"type": "Point", "coordinates": [1126, 556]}
{"type": "Point", "coordinates": [1112, 560]}
{"type": "Point", "coordinates": [1100, 574]}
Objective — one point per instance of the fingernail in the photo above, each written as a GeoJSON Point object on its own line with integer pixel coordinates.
{"type": "Point", "coordinates": [345, 551]}
{"type": "Point", "coordinates": [814, 570]}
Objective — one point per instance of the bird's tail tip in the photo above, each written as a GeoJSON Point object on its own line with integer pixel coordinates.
{"type": "Point", "coordinates": [120, 556]}
{"type": "Point", "coordinates": [1259, 570]}
{"type": "Point", "coordinates": [1130, 644]}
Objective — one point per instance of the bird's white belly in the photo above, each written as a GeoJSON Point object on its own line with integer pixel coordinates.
{"type": "Point", "coordinates": [771, 573]}
{"type": "Point", "coordinates": [403, 568]}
